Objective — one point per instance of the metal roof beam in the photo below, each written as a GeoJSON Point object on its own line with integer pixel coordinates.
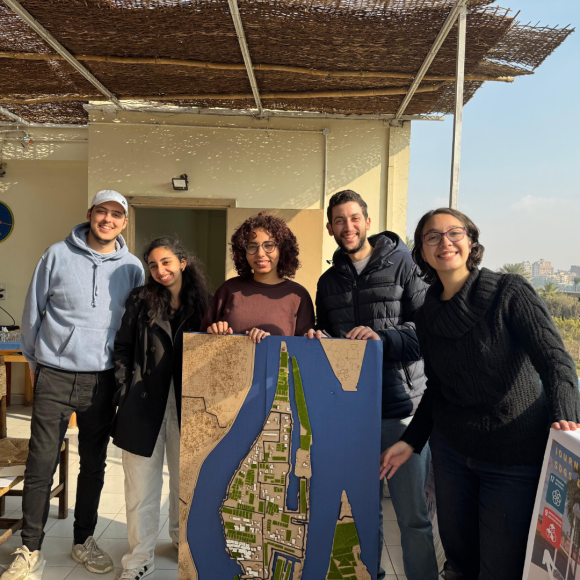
{"type": "Point", "coordinates": [458, 114]}
{"type": "Point", "coordinates": [12, 116]}
{"type": "Point", "coordinates": [49, 39]}
{"type": "Point", "coordinates": [233, 4]}
{"type": "Point", "coordinates": [446, 28]}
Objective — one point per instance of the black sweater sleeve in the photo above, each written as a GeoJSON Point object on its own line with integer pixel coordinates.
{"type": "Point", "coordinates": [528, 318]}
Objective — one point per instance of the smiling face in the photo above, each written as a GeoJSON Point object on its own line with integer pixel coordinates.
{"type": "Point", "coordinates": [262, 262]}
{"type": "Point", "coordinates": [107, 221]}
{"type": "Point", "coordinates": [165, 267]}
{"type": "Point", "coordinates": [349, 226]}
{"type": "Point", "coordinates": [447, 256]}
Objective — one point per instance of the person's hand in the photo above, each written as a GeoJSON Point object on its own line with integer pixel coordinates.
{"type": "Point", "coordinates": [256, 335]}
{"type": "Point", "coordinates": [394, 457]}
{"type": "Point", "coordinates": [315, 334]}
{"type": "Point", "coordinates": [32, 378]}
{"type": "Point", "coordinates": [220, 328]}
{"type": "Point", "coordinates": [363, 333]}
{"type": "Point", "coordinates": [565, 426]}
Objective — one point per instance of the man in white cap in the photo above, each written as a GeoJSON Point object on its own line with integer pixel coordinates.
{"type": "Point", "coordinates": [72, 312]}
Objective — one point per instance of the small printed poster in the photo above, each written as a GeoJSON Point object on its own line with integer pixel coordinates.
{"type": "Point", "coordinates": [554, 540]}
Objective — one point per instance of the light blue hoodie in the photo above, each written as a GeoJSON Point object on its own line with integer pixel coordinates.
{"type": "Point", "coordinates": [75, 303]}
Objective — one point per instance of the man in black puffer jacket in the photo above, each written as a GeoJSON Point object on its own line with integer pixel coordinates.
{"type": "Point", "coordinates": [372, 292]}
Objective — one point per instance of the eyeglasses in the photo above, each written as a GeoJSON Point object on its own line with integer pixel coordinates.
{"type": "Point", "coordinates": [453, 235]}
{"type": "Point", "coordinates": [252, 247]}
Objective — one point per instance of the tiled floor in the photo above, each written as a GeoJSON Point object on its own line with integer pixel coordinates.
{"type": "Point", "coordinates": [111, 531]}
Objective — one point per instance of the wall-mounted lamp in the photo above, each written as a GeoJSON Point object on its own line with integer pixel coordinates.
{"type": "Point", "coordinates": [180, 183]}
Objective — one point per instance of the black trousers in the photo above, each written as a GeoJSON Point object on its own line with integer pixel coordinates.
{"type": "Point", "coordinates": [57, 395]}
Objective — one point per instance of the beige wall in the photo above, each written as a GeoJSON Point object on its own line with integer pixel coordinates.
{"type": "Point", "coordinates": [45, 186]}
{"type": "Point", "coordinates": [260, 169]}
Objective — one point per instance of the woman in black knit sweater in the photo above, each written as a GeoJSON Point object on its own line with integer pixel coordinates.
{"type": "Point", "coordinates": [487, 340]}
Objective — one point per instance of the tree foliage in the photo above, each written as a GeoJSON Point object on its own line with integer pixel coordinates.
{"type": "Point", "coordinates": [515, 269]}
{"type": "Point", "coordinates": [548, 289]}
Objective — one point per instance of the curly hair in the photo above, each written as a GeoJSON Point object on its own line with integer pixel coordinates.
{"type": "Point", "coordinates": [428, 273]}
{"type": "Point", "coordinates": [282, 235]}
{"type": "Point", "coordinates": [194, 288]}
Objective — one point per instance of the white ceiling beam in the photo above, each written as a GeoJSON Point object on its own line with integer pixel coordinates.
{"type": "Point", "coordinates": [49, 39]}
{"type": "Point", "coordinates": [458, 114]}
{"type": "Point", "coordinates": [266, 113]}
{"type": "Point", "coordinates": [233, 4]}
{"type": "Point", "coordinates": [438, 42]}
{"type": "Point", "coordinates": [12, 116]}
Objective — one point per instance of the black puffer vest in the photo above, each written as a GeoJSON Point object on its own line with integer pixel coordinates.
{"type": "Point", "coordinates": [385, 297]}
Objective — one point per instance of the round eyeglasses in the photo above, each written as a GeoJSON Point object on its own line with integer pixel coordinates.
{"type": "Point", "coordinates": [453, 235]}
{"type": "Point", "coordinates": [252, 247]}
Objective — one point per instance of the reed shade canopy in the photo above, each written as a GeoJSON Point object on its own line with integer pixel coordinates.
{"type": "Point", "coordinates": [339, 56]}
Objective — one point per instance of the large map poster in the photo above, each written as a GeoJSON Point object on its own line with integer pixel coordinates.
{"type": "Point", "coordinates": [554, 541]}
{"type": "Point", "coordinates": [279, 458]}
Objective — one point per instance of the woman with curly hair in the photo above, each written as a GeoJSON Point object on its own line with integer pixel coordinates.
{"type": "Point", "coordinates": [262, 300]}
{"type": "Point", "coordinates": [487, 340]}
{"type": "Point", "coordinates": [148, 367]}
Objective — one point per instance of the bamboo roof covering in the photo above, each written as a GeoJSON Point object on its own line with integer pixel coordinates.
{"type": "Point", "coordinates": [339, 56]}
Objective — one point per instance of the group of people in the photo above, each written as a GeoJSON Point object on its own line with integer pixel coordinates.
{"type": "Point", "coordinates": [474, 374]}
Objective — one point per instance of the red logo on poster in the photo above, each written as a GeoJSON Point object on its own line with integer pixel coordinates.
{"type": "Point", "coordinates": [552, 527]}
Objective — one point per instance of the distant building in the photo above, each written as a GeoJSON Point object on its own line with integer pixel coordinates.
{"type": "Point", "coordinates": [575, 270]}
{"type": "Point", "coordinates": [564, 278]}
{"type": "Point", "coordinates": [527, 266]}
{"type": "Point", "coordinates": [542, 268]}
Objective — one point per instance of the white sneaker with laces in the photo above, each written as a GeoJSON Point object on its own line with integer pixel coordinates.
{"type": "Point", "coordinates": [27, 565]}
{"type": "Point", "coordinates": [94, 558]}
{"type": "Point", "coordinates": [136, 573]}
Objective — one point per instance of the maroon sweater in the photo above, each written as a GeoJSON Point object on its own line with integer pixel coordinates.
{"type": "Point", "coordinates": [283, 309]}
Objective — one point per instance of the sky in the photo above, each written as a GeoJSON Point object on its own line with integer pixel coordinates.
{"type": "Point", "coordinates": [520, 156]}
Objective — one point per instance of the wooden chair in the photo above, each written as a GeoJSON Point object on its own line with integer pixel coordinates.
{"type": "Point", "coordinates": [14, 452]}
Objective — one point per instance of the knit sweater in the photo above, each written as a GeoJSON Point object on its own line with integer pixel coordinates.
{"type": "Point", "coordinates": [483, 351]}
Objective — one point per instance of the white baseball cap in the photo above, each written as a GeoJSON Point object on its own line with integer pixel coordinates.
{"type": "Point", "coordinates": [110, 195]}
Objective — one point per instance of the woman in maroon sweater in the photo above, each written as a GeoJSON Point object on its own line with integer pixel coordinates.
{"type": "Point", "coordinates": [261, 300]}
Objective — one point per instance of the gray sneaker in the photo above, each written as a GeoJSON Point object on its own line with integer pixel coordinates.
{"type": "Point", "coordinates": [136, 573]}
{"type": "Point", "coordinates": [27, 565]}
{"type": "Point", "coordinates": [94, 559]}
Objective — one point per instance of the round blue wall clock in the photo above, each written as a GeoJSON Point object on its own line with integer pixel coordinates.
{"type": "Point", "coordinates": [6, 221]}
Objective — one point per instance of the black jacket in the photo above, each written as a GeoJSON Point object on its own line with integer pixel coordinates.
{"type": "Point", "coordinates": [384, 297]}
{"type": "Point", "coordinates": [146, 359]}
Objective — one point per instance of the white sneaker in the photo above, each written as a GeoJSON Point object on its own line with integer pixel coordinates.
{"type": "Point", "coordinates": [136, 573]}
{"type": "Point", "coordinates": [94, 558]}
{"type": "Point", "coordinates": [27, 565]}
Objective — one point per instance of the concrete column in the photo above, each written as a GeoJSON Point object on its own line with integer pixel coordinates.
{"type": "Point", "coordinates": [399, 152]}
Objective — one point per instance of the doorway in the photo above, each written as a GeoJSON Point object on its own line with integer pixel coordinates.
{"type": "Point", "coordinates": [201, 231]}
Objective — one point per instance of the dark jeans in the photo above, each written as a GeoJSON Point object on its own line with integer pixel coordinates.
{"type": "Point", "coordinates": [57, 395]}
{"type": "Point", "coordinates": [407, 489]}
{"type": "Point", "coordinates": [484, 512]}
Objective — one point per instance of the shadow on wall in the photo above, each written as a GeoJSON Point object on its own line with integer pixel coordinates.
{"type": "Point", "coordinates": [263, 169]}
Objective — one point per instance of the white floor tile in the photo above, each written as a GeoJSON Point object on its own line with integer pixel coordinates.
{"type": "Point", "coordinates": [392, 533]}
{"type": "Point", "coordinates": [165, 555]}
{"type": "Point", "coordinates": [164, 574]}
{"type": "Point", "coordinates": [56, 572]}
{"type": "Point", "coordinates": [64, 528]}
{"type": "Point", "coordinates": [114, 468]}
{"type": "Point", "coordinates": [81, 573]}
{"type": "Point", "coordinates": [111, 503]}
{"type": "Point", "coordinates": [114, 484]}
{"type": "Point", "coordinates": [396, 555]}
{"type": "Point", "coordinates": [386, 562]}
